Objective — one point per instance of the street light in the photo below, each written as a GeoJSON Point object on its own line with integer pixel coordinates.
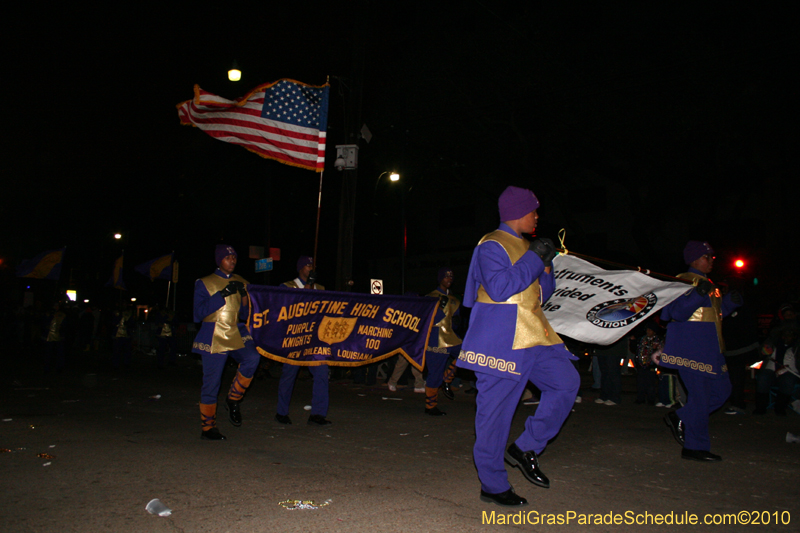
{"type": "Point", "coordinates": [234, 74]}
{"type": "Point", "coordinates": [395, 177]}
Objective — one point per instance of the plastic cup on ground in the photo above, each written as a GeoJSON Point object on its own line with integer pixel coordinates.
{"type": "Point", "coordinates": [156, 507]}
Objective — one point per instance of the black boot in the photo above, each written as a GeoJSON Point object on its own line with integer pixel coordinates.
{"type": "Point", "coordinates": [234, 413]}
{"type": "Point", "coordinates": [212, 434]}
{"type": "Point", "coordinates": [447, 390]}
{"type": "Point", "coordinates": [528, 463]}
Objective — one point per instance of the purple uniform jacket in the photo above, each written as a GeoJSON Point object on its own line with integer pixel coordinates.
{"type": "Point", "coordinates": [491, 326]}
{"type": "Point", "coordinates": [204, 305]}
{"type": "Point", "coordinates": [692, 345]}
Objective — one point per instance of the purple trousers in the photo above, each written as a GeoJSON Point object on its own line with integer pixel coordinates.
{"type": "Point", "coordinates": [551, 370]}
{"type": "Point", "coordinates": [319, 391]}
{"type": "Point", "coordinates": [214, 365]}
{"type": "Point", "coordinates": [437, 363]}
{"type": "Point", "coordinates": [704, 396]}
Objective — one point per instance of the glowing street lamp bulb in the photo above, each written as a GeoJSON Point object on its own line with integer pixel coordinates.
{"type": "Point", "coordinates": [394, 176]}
{"type": "Point", "coordinates": [234, 74]}
{"type": "Point", "coordinates": [118, 236]}
{"type": "Point", "coordinates": [133, 299]}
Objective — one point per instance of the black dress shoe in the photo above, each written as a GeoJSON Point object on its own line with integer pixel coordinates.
{"type": "Point", "coordinates": [234, 414]}
{"type": "Point", "coordinates": [447, 390]}
{"type": "Point", "coordinates": [318, 420]}
{"type": "Point", "coordinates": [434, 411]}
{"type": "Point", "coordinates": [700, 455]}
{"type": "Point", "coordinates": [212, 434]}
{"type": "Point", "coordinates": [283, 419]}
{"type": "Point", "coordinates": [675, 425]}
{"type": "Point", "coordinates": [508, 498]}
{"type": "Point", "coordinates": [528, 462]}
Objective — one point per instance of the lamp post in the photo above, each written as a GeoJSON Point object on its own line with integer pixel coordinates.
{"type": "Point", "coordinates": [394, 177]}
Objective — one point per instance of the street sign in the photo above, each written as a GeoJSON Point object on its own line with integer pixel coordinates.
{"type": "Point", "coordinates": [376, 286]}
{"type": "Point", "coordinates": [264, 265]}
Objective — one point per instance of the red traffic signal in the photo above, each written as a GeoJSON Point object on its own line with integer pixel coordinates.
{"type": "Point", "coordinates": [739, 264]}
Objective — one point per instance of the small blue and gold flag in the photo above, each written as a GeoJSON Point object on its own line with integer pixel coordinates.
{"type": "Point", "coordinates": [116, 280]}
{"type": "Point", "coordinates": [158, 268]}
{"type": "Point", "coordinates": [46, 265]}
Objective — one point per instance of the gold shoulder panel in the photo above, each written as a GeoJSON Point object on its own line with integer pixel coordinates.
{"type": "Point", "coordinates": [532, 328]}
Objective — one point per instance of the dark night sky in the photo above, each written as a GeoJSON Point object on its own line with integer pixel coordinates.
{"type": "Point", "coordinates": [638, 127]}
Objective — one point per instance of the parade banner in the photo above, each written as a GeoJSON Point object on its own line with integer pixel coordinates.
{"type": "Point", "coordinates": [309, 328]}
{"type": "Point", "coordinates": [599, 306]}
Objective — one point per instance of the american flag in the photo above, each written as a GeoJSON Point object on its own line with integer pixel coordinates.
{"type": "Point", "coordinates": [285, 120]}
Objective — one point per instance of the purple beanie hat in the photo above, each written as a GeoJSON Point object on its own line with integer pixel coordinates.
{"type": "Point", "coordinates": [695, 250]}
{"type": "Point", "coordinates": [223, 251]}
{"type": "Point", "coordinates": [303, 261]}
{"type": "Point", "coordinates": [443, 273]}
{"type": "Point", "coordinates": [516, 202]}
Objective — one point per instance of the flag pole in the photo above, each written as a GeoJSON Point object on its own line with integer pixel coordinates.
{"type": "Point", "coordinates": [316, 231]}
{"type": "Point", "coordinates": [175, 281]}
{"type": "Point", "coordinates": [319, 204]}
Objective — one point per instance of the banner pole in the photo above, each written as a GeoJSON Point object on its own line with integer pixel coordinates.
{"type": "Point", "coordinates": [645, 271]}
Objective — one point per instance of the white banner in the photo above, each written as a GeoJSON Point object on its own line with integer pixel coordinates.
{"type": "Point", "coordinates": [599, 306]}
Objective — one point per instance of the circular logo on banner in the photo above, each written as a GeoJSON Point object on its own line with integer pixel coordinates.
{"type": "Point", "coordinates": [621, 312]}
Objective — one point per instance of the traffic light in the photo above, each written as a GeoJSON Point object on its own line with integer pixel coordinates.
{"type": "Point", "coordinates": [740, 269]}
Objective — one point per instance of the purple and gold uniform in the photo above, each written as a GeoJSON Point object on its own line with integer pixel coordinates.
{"type": "Point", "coordinates": [442, 344]}
{"type": "Point", "coordinates": [319, 373]}
{"type": "Point", "coordinates": [510, 342]}
{"type": "Point", "coordinates": [221, 335]}
{"type": "Point", "coordinates": [694, 346]}
{"type": "Point", "coordinates": [54, 341]}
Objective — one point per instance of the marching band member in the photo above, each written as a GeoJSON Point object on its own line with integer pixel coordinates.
{"type": "Point", "coordinates": [218, 298]}
{"type": "Point", "coordinates": [694, 346]}
{"type": "Point", "coordinates": [442, 344]}
{"type": "Point", "coordinates": [510, 342]}
{"type": "Point", "coordinates": [306, 279]}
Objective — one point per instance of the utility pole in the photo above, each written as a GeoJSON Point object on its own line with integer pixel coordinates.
{"type": "Point", "coordinates": [352, 125]}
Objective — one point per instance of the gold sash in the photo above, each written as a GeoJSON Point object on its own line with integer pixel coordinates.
{"type": "Point", "coordinates": [532, 327]}
{"type": "Point", "coordinates": [53, 332]}
{"type": "Point", "coordinates": [293, 285]}
{"type": "Point", "coordinates": [122, 328]}
{"type": "Point", "coordinates": [447, 337]}
{"type": "Point", "coordinates": [707, 314]}
{"type": "Point", "coordinates": [226, 331]}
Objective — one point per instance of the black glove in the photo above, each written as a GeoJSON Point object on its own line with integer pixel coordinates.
{"type": "Point", "coordinates": [704, 287]}
{"type": "Point", "coordinates": [232, 288]}
{"type": "Point", "coordinates": [545, 249]}
{"type": "Point", "coordinates": [312, 278]}
{"type": "Point", "coordinates": [443, 299]}
{"type": "Point", "coordinates": [242, 291]}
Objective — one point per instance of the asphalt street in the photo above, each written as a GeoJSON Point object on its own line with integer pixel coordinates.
{"type": "Point", "coordinates": [86, 451]}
